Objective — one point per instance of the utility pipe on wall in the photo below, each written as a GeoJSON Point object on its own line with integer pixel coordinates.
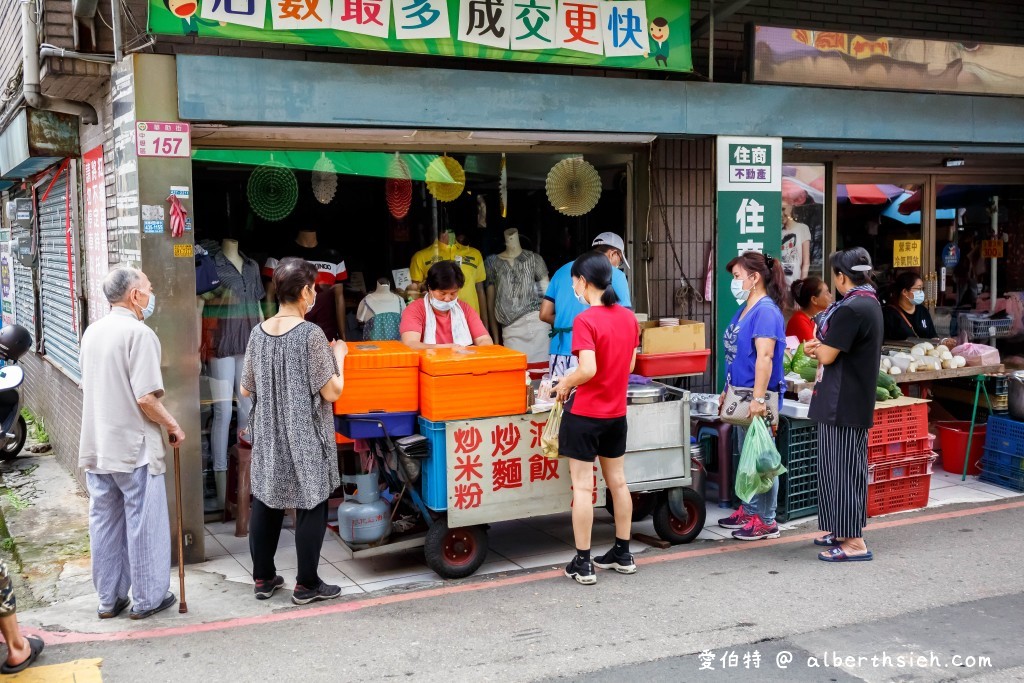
{"type": "Point", "coordinates": [30, 70]}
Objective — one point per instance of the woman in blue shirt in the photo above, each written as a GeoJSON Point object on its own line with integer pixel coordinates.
{"type": "Point", "coordinates": [755, 342]}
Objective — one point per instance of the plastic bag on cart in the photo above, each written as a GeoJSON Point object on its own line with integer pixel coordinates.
{"type": "Point", "coordinates": [549, 437]}
{"type": "Point", "coordinates": [760, 462]}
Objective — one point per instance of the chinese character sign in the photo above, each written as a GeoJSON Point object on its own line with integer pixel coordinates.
{"type": "Point", "coordinates": [421, 19]}
{"type": "Point", "coordinates": [906, 254]}
{"type": "Point", "coordinates": [497, 472]}
{"type": "Point", "coordinates": [368, 17]}
{"type": "Point", "coordinates": [628, 34]}
{"type": "Point", "coordinates": [95, 215]}
{"type": "Point", "coordinates": [242, 12]}
{"type": "Point", "coordinates": [749, 215]}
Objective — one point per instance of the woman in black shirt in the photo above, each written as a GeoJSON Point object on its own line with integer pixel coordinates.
{"type": "Point", "coordinates": [848, 346]}
{"type": "Point", "coordinates": [904, 312]}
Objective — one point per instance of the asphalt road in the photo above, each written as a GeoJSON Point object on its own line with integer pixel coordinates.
{"type": "Point", "coordinates": [947, 589]}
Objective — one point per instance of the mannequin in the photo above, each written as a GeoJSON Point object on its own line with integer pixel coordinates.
{"type": "Point", "coordinates": [329, 310]}
{"type": "Point", "coordinates": [516, 275]}
{"type": "Point", "coordinates": [447, 248]}
{"type": "Point", "coordinates": [380, 312]}
{"type": "Point", "coordinates": [232, 310]}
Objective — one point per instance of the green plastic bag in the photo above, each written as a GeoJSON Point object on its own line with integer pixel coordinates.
{"type": "Point", "coordinates": [760, 462]}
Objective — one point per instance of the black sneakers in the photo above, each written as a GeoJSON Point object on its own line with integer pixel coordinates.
{"type": "Point", "coordinates": [582, 571]}
{"type": "Point", "coordinates": [325, 591]}
{"type": "Point", "coordinates": [168, 600]}
{"type": "Point", "coordinates": [621, 562]}
{"type": "Point", "coordinates": [265, 589]}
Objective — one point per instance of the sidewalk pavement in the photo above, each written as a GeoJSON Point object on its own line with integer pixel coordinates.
{"type": "Point", "coordinates": [47, 515]}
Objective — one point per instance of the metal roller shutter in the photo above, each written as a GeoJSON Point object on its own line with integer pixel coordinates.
{"type": "Point", "coordinates": [58, 276]}
{"type": "Point", "coordinates": [24, 288]}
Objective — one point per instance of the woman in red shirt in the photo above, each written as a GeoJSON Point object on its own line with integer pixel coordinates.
{"type": "Point", "coordinates": [812, 297]}
{"type": "Point", "coordinates": [439, 320]}
{"type": "Point", "coordinates": [604, 338]}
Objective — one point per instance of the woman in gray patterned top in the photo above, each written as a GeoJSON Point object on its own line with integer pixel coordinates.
{"type": "Point", "coordinates": [294, 376]}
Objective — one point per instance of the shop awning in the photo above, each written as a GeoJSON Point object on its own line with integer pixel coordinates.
{"type": "Point", "coordinates": [371, 164]}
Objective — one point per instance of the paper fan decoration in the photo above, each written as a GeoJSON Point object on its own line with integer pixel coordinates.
{"type": "Point", "coordinates": [325, 180]}
{"type": "Point", "coordinates": [273, 191]}
{"type": "Point", "coordinates": [503, 187]}
{"type": "Point", "coordinates": [573, 186]}
{"type": "Point", "coordinates": [398, 188]}
{"type": "Point", "coordinates": [445, 179]}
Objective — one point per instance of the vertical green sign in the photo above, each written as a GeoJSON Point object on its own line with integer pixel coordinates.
{"type": "Point", "coordinates": [749, 216]}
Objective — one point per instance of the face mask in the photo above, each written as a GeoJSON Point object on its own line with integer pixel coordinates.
{"type": "Point", "coordinates": [310, 307]}
{"type": "Point", "coordinates": [579, 297]}
{"type": "Point", "coordinates": [444, 306]}
{"type": "Point", "coordinates": [148, 310]}
{"type": "Point", "coordinates": [740, 294]}
{"type": "Point", "coordinates": [918, 298]}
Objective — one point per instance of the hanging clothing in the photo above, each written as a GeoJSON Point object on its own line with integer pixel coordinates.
{"type": "Point", "coordinates": [469, 259]}
{"type": "Point", "coordinates": [381, 315]}
{"type": "Point", "coordinates": [234, 308]}
{"type": "Point", "coordinates": [331, 271]}
{"type": "Point", "coordinates": [515, 284]}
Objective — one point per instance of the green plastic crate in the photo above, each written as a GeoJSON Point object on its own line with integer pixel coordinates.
{"type": "Point", "coordinates": [797, 441]}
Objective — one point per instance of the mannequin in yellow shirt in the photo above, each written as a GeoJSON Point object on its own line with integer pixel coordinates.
{"type": "Point", "coordinates": [447, 248]}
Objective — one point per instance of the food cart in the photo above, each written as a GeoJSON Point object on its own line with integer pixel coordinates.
{"type": "Point", "coordinates": [477, 472]}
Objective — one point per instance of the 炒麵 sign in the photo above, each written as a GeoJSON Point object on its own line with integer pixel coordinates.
{"type": "Point", "coordinates": [628, 34]}
{"type": "Point", "coordinates": [496, 472]}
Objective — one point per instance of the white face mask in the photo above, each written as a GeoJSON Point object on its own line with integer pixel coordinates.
{"type": "Point", "coordinates": [740, 294]}
{"type": "Point", "coordinates": [579, 297]}
{"type": "Point", "coordinates": [313, 303]}
{"type": "Point", "coordinates": [444, 306]}
{"type": "Point", "coordinates": [150, 307]}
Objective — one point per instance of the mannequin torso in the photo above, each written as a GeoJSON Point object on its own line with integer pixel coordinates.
{"type": "Point", "coordinates": [230, 249]}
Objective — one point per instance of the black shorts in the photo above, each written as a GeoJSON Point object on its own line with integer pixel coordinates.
{"type": "Point", "coordinates": [585, 438]}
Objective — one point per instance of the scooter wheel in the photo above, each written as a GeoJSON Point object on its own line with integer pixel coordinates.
{"type": "Point", "coordinates": [14, 446]}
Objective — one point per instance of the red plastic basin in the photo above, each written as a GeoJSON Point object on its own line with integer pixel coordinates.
{"type": "Point", "coordinates": [953, 445]}
{"type": "Point", "coordinates": [669, 364]}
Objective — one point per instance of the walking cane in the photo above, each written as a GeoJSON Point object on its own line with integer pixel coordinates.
{"type": "Point", "coordinates": [182, 605]}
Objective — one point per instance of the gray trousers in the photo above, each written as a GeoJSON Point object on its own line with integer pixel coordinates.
{"type": "Point", "coordinates": [130, 537]}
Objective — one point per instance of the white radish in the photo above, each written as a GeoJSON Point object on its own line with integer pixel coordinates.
{"type": "Point", "coordinates": [895, 371]}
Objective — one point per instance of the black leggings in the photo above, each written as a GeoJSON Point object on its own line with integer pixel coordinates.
{"type": "Point", "coordinates": [265, 531]}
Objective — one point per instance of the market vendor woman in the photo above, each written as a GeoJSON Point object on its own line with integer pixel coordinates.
{"type": "Point", "coordinates": [904, 313]}
{"type": "Point", "coordinates": [440, 320]}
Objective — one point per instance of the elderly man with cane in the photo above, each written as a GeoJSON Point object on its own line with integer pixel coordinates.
{"type": "Point", "coordinates": [122, 451]}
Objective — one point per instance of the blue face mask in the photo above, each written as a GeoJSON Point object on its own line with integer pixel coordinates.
{"type": "Point", "coordinates": [918, 297]}
{"type": "Point", "coordinates": [150, 307]}
{"type": "Point", "coordinates": [579, 297]}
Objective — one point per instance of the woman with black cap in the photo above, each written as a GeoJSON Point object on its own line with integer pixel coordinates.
{"type": "Point", "coordinates": [847, 347]}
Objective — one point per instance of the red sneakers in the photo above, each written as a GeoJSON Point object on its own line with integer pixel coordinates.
{"type": "Point", "coordinates": [755, 530]}
{"type": "Point", "coordinates": [736, 520]}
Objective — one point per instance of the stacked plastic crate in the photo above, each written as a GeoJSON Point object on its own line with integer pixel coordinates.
{"type": "Point", "coordinates": [797, 441]}
{"type": "Point", "coordinates": [900, 458]}
{"type": "Point", "coordinates": [1003, 461]}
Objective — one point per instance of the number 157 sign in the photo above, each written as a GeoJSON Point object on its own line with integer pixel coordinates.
{"type": "Point", "coordinates": [157, 139]}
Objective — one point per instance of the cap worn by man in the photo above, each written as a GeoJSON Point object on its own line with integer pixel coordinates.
{"type": "Point", "coordinates": [612, 240]}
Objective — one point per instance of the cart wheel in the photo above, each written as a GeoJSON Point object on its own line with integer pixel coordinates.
{"type": "Point", "coordinates": [675, 530]}
{"type": "Point", "coordinates": [455, 553]}
{"type": "Point", "coordinates": [643, 505]}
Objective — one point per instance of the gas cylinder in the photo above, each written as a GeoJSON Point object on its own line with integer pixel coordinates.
{"type": "Point", "coordinates": [364, 518]}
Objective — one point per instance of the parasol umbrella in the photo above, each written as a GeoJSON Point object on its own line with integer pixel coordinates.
{"type": "Point", "coordinates": [798, 192]}
{"type": "Point", "coordinates": [953, 197]}
{"type": "Point", "coordinates": [868, 194]}
{"type": "Point", "coordinates": [895, 211]}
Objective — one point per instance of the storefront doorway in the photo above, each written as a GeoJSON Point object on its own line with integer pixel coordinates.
{"type": "Point", "coordinates": [367, 227]}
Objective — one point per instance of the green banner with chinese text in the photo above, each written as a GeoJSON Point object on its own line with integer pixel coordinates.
{"type": "Point", "coordinates": [616, 34]}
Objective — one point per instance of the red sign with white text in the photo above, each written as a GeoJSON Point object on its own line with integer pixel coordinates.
{"type": "Point", "coordinates": [96, 263]}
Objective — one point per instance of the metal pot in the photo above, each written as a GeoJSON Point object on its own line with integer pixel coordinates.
{"type": "Point", "coordinates": [1017, 395]}
{"type": "Point", "coordinates": [640, 394]}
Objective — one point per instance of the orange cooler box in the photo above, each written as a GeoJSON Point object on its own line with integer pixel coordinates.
{"type": "Point", "coordinates": [379, 376]}
{"type": "Point", "coordinates": [479, 381]}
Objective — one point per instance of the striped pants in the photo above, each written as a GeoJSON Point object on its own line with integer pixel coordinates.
{"type": "Point", "coordinates": [842, 480]}
{"type": "Point", "coordinates": [130, 537]}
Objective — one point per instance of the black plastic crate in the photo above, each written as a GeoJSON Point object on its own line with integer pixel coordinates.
{"type": "Point", "coordinates": [797, 441]}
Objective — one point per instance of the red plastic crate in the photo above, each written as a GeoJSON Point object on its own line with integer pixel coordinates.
{"type": "Point", "coordinates": [907, 467]}
{"type": "Point", "coordinates": [896, 495]}
{"type": "Point", "coordinates": [899, 450]}
{"type": "Point", "coordinates": [669, 364]}
{"type": "Point", "coordinates": [899, 423]}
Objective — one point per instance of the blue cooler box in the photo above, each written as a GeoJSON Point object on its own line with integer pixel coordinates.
{"type": "Point", "coordinates": [434, 470]}
{"type": "Point", "coordinates": [367, 425]}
